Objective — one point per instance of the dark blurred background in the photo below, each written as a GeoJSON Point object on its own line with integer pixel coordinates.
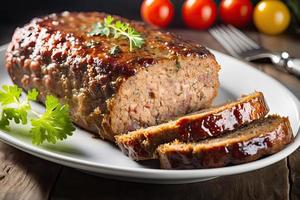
{"type": "Point", "coordinates": [14, 13]}
{"type": "Point", "coordinates": [17, 12]}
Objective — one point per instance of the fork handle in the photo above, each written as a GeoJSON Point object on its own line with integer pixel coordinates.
{"type": "Point", "coordinates": [284, 61]}
{"type": "Point", "coordinates": [293, 66]}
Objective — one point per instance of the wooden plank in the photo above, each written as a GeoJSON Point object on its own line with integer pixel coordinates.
{"type": "Point", "coordinates": [23, 176]}
{"type": "Point", "coordinates": [294, 166]}
{"type": "Point", "coordinates": [264, 184]}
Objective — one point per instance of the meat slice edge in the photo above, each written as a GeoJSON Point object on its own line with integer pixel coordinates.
{"type": "Point", "coordinates": [261, 138]}
{"type": "Point", "coordinates": [141, 144]}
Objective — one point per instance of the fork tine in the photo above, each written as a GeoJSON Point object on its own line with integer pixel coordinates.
{"type": "Point", "coordinates": [231, 39]}
{"type": "Point", "coordinates": [244, 37]}
{"type": "Point", "coordinates": [223, 41]}
{"type": "Point", "coordinates": [235, 40]}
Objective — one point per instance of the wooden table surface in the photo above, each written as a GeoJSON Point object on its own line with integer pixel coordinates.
{"type": "Point", "coordinates": [23, 176]}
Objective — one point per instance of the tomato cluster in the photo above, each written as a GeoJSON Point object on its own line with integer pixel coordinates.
{"type": "Point", "coordinates": [201, 14]}
{"type": "Point", "coordinates": [197, 14]}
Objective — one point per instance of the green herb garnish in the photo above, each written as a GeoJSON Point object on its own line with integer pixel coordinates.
{"type": "Point", "coordinates": [55, 124]}
{"type": "Point", "coordinates": [114, 50]}
{"type": "Point", "coordinates": [117, 29]}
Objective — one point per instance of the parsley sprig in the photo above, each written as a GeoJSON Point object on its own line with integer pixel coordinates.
{"type": "Point", "coordinates": [54, 124]}
{"type": "Point", "coordinates": [117, 29]}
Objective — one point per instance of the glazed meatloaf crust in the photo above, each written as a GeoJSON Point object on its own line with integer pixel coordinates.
{"type": "Point", "coordinates": [112, 94]}
{"type": "Point", "coordinates": [141, 144]}
{"type": "Point", "coordinates": [260, 138]}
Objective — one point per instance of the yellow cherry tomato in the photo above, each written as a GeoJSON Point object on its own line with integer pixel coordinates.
{"type": "Point", "coordinates": [271, 17]}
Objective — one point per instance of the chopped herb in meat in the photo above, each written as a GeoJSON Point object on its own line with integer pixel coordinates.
{"type": "Point", "coordinates": [115, 50]}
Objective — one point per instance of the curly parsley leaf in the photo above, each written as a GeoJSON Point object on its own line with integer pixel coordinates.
{"type": "Point", "coordinates": [12, 107]}
{"type": "Point", "coordinates": [16, 114]}
{"type": "Point", "coordinates": [10, 94]}
{"type": "Point", "coordinates": [117, 30]}
{"type": "Point", "coordinates": [32, 95]}
{"type": "Point", "coordinates": [4, 121]}
{"type": "Point", "coordinates": [100, 29]}
{"type": "Point", "coordinates": [55, 124]}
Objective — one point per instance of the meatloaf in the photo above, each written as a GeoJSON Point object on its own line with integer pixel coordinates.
{"type": "Point", "coordinates": [141, 144]}
{"type": "Point", "coordinates": [260, 138]}
{"type": "Point", "coordinates": [109, 93]}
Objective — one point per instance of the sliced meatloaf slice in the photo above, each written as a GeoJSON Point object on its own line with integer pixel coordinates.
{"type": "Point", "coordinates": [260, 138]}
{"type": "Point", "coordinates": [112, 93]}
{"type": "Point", "coordinates": [141, 144]}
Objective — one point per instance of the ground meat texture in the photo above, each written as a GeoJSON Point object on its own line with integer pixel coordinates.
{"type": "Point", "coordinates": [258, 139]}
{"type": "Point", "coordinates": [216, 121]}
{"type": "Point", "coordinates": [112, 94]}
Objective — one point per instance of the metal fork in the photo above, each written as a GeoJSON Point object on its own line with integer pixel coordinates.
{"type": "Point", "coordinates": [241, 46]}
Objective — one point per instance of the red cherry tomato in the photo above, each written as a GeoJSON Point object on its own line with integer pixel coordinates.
{"type": "Point", "coordinates": [236, 12]}
{"type": "Point", "coordinates": [157, 12]}
{"type": "Point", "coordinates": [199, 14]}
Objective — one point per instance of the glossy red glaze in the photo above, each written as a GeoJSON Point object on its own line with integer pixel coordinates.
{"type": "Point", "coordinates": [62, 36]}
{"type": "Point", "coordinates": [220, 122]}
{"type": "Point", "coordinates": [243, 150]}
{"type": "Point", "coordinates": [197, 127]}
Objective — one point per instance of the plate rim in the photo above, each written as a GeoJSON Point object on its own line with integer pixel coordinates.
{"type": "Point", "coordinates": [3, 47]}
{"type": "Point", "coordinates": [159, 174]}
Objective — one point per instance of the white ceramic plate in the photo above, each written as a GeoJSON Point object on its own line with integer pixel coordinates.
{"type": "Point", "coordinates": [95, 156]}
